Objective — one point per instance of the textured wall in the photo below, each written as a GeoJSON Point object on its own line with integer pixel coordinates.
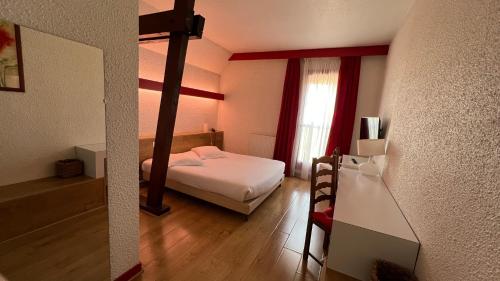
{"type": "Point", "coordinates": [441, 102]}
{"type": "Point", "coordinates": [43, 124]}
{"type": "Point", "coordinates": [113, 27]}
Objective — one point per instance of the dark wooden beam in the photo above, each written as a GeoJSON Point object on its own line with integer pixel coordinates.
{"type": "Point", "coordinates": [201, 93]}
{"type": "Point", "coordinates": [158, 26]}
{"type": "Point", "coordinates": [174, 69]}
{"type": "Point", "coordinates": [129, 274]}
{"type": "Point", "coordinates": [158, 86]}
{"type": "Point", "coordinates": [164, 22]}
{"type": "Point", "coordinates": [378, 50]}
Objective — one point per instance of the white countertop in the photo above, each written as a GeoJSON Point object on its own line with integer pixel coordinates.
{"type": "Point", "coordinates": [347, 162]}
{"type": "Point", "coordinates": [96, 147]}
{"type": "Point", "coordinates": [365, 201]}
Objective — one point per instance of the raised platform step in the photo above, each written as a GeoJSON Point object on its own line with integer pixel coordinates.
{"type": "Point", "coordinates": [75, 249]}
{"type": "Point", "coordinates": [27, 206]}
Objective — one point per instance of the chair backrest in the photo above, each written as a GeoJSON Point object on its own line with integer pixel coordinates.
{"type": "Point", "coordinates": [324, 175]}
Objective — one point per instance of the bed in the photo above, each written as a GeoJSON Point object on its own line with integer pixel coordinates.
{"type": "Point", "coordinates": [237, 182]}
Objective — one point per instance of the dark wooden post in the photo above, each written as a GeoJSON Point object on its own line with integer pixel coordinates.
{"type": "Point", "coordinates": [178, 42]}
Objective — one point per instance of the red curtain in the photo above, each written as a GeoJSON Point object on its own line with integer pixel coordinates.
{"type": "Point", "coordinates": [287, 124]}
{"type": "Point", "coordinates": [345, 106]}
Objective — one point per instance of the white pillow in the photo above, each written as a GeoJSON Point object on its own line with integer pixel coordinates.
{"type": "Point", "coordinates": [184, 159]}
{"type": "Point", "coordinates": [208, 152]}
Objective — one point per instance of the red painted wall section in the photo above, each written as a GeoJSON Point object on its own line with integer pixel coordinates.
{"type": "Point", "coordinates": [378, 50]}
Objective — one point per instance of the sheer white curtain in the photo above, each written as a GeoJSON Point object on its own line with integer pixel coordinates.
{"type": "Point", "coordinates": [316, 107]}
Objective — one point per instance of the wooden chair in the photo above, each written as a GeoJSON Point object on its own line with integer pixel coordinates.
{"type": "Point", "coordinates": [322, 219]}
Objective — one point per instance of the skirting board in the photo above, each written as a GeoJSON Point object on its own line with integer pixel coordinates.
{"type": "Point", "coordinates": [246, 207]}
{"type": "Point", "coordinates": [131, 273]}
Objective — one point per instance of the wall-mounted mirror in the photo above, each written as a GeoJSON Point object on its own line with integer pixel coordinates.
{"type": "Point", "coordinates": [53, 211]}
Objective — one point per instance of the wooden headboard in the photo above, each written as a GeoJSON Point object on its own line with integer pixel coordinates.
{"type": "Point", "coordinates": [181, 143]}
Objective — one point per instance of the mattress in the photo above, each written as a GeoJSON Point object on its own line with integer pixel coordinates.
{"type": "Point", "coordinates": [239, 177]}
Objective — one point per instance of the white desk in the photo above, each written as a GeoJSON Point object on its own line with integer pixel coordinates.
{"type": "Point", "coordinates": [347, 161]}
{"type": "Point", "coordinates": [367, 224]}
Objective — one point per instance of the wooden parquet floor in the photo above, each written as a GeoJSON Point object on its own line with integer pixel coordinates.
{"type": "Point", "coordinates": [201, 241]}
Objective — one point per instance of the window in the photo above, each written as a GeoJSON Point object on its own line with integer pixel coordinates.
{"type": "Point", "coordinates": [317, 104]}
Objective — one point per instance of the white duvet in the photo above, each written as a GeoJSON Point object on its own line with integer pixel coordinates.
{"type": "Point", "coordinates": [239, 177]}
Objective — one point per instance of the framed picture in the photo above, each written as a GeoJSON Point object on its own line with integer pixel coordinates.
{"type": "Point", "coordinates": [11, 60]}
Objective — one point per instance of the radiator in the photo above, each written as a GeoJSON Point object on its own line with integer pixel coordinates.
{"type": "Point", "coordinates": [261, 145]}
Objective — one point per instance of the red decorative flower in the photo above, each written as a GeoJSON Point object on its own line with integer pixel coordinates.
{"type": "Point", "coordinates": [5, 39]}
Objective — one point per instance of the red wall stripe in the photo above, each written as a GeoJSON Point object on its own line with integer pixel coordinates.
{"type": "Point", "coordinates": [378, 50]}
{"type": "Point", "coordinates": [158, 86]}
{"type": "Point", "coordinates": [131, 273]}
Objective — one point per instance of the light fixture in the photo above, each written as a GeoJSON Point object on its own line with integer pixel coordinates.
{"type": "Point", "coordinates": [370, 147]}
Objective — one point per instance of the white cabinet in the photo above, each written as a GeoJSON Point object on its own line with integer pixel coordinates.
{"type": "Point", "coordinates": [93, 156]}
{"type": "Point", "coordinates": [368, 225]}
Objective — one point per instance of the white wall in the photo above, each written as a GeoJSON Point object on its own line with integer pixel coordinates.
{"type": "Point", "coordinates": [62, 107]}
{"type": "Point", "coordinates": [201, 53]}
{"type": "Point", "coordinates": [205, 60]}
{"type": "Point", "coordinates": [371, 81]}
{"type": "Point", "coordinates": [252, 102]}
{"type": "Point", "coordinates": [253, 92]}
{"type": "Point", "coordinates": [441, 96]}
{"type": "Point", "coordinates": [192, 112]}
{"type": "Point", "coordinates": [113, 27]}
{"type": "Point", "coordinates": [152, 67]}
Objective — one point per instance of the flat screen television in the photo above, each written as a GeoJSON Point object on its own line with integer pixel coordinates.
{"type": "Point", "coordinates": [369, 128]}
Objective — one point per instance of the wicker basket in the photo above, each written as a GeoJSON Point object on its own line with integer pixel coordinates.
{"type": "Point", "coordinates": [68, 168]}
{"type": "Point", "coordinates": [388, 271]}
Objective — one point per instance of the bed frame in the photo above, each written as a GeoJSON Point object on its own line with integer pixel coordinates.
{"type": "Point", "coordinates": [183, 143]}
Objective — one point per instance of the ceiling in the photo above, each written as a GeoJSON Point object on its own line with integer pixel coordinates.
{"type": "Point", "coordinates": [268, 25]}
